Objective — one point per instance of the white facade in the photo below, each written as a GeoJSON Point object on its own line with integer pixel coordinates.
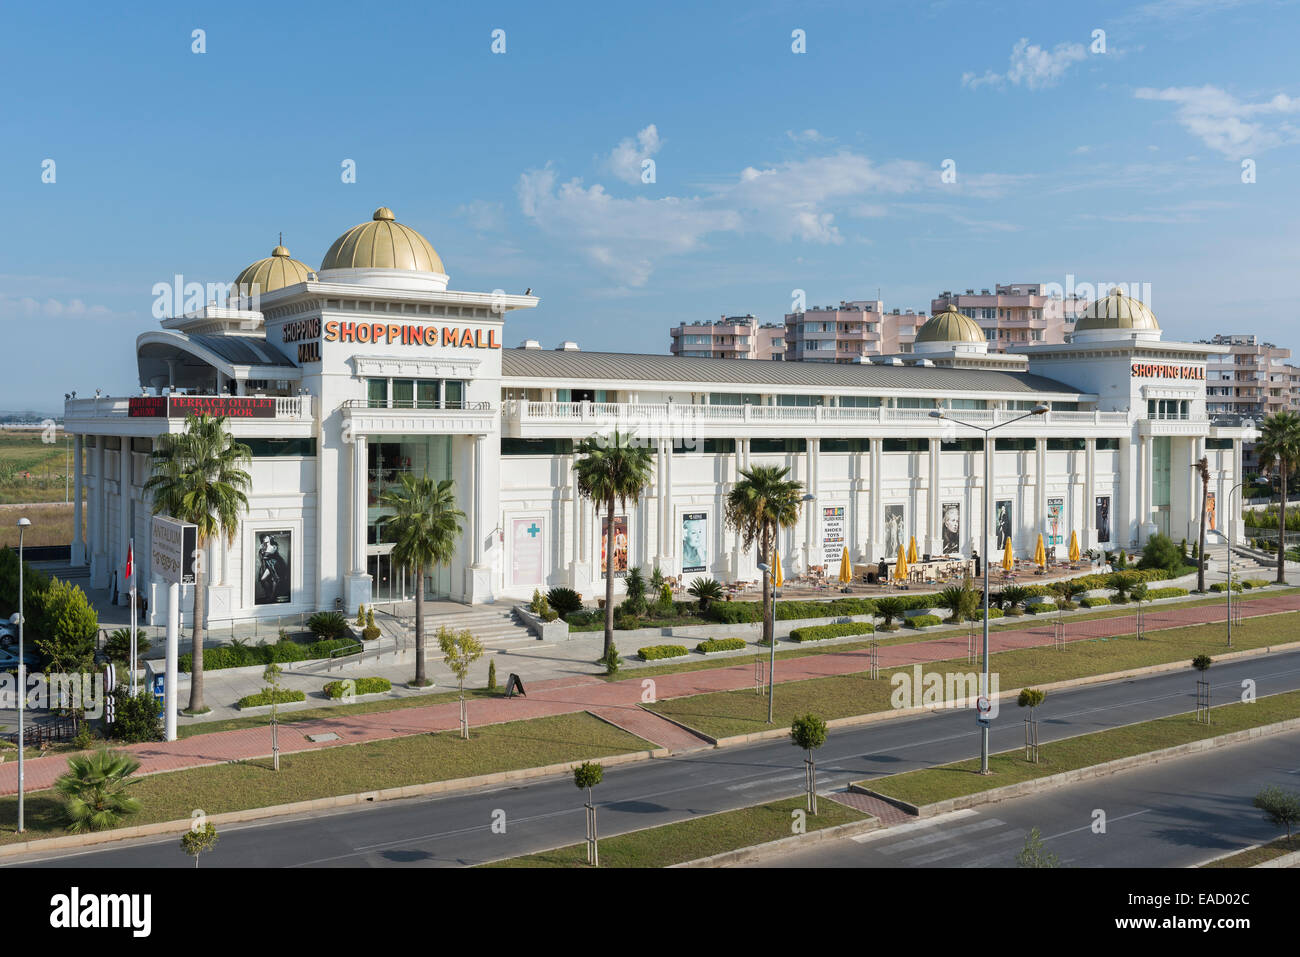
{"type": "Point", "coordinates": [358, 389]}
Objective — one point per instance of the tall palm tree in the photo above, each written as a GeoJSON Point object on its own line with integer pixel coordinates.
{"type": "Point", "coordinates": [611, 470]}
{"type": "Point", "coordinates": [199, 478]}
{"type": "Point", "coordinates": [424, 524]}
{"type": "Point", "coordinates": [1279, 447]}
{"type": "Point", "coordinates": [758, 506]}
{"type": "Point", "coordinates": [96, 789]}
{"type": "Point", "coordinates": [1202, 467]}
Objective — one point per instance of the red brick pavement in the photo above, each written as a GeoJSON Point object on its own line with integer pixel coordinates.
{"type": "Point", "coordinates": [617, 701]}
{"type": "Point", "coordinates": [888, 814]}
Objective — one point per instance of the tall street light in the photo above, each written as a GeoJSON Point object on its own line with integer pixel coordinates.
{"type": "Point", "coordinates": [1231, 522]}
{"type": "Point", "coordinates": [988, 519]}
{"type": "Point", "coordinates": [23, 525]}
{"type": "Point", "coordinates": [766, 569]}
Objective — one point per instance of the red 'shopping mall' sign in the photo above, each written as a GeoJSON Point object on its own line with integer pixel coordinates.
{"type": "Point", "coordinates": [1152, 370]}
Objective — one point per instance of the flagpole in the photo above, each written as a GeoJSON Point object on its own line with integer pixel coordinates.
{"type": "Point", "coordinates": [131, 553]}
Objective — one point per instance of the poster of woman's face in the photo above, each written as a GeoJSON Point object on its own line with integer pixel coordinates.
{"type": "Point", "coordinates": [951, 528]}
{"type": "Point", "coordinates": [620, 545]}
{"type": "Point", "coordinates": [695, 553]}
{"type": "Point", "coordinates": [1210, 516]}
{"type": "Point", "coordinates": [271, 579]}
{"type": "Point", "coordinates": [1002, 523]}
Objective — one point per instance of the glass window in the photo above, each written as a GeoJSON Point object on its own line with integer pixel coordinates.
{"type": "Point", "coordinates": [1065, 445]}
{"type": "Point", "coordinates": [967, 403]}
{"type": "Point", "coordinates": [905, 445]}
{"type": "Point", "coordinates": [1014, 445]}
{"type": "Point", "coordinates": [859, 401]}
{"type": "Point", "coordinates": [910, 402]}
{"type": "Point", "coordinates": [454, 394]}
{"type": "Point", "coordinates": [403, 393]}
{"type": "Point", "coordinates": [1218, 445]}
{"type": "Point", "coordinates": [536, 446]}
{"type": "Point", "coordinates": [280, 448]}
{"type": "Point", "coordinates": [777, 446]}
{"type": "Point", "coordinates": [1108, 445]}
{"type": "Point", "coordinates": [962, 445]}
{"type": "Point", "coordinates": [377, 393]}
{"type": "Point", "coordinates": [426, 394]}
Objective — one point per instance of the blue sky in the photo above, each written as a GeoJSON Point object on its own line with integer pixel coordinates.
{"type": "Point", "coordinates": [774, 170]}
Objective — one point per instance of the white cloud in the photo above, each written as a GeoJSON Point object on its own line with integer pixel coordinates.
{"type": "Point", "coordinates": [1031, 65]}
{"type": "Point", "coordinates": [1226, 124]}
{"type": "Point", "coordinates": [483, 216]}
{"type": "Point", "coordinates": [806, 136]}
{"type": "Point", "coordinates": [624, 161]}
{"type": "Point", "coordinates": [26, 307]}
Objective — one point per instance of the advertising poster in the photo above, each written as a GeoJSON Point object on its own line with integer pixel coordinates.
{"type": "Point", "coordinates": [951, 527]}
{"type": "Point", "coordinates": [894, 530]}
{"type": "Point", "coordinates": [1103, 518]}
{"type": "Point", "coordinates": [1055, 527]}
{"type": "Point", "coordinates": [833, 540]}
{"type": "Point", "coordinates": [1211, 519]}
{"type": "Point", "coordinates": [620, 546]}
{"type": "Point", "coordinates": [271, 582]}
{"type": "Point", "coordinates": [695, 543]}
{"type": "Point", "coordinates": [528, 547]}
{"type": "Point", "coordinates": [1002, 523]}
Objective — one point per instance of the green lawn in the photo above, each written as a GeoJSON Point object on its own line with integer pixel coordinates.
{"type": "Point", "coordinates": [696, 838]}
{"type": "Point", "coordinates": [1258, 855]}
{"type": "Point", "coordinates": [1010, 767]}
{"type": "Point", "coordinates": [727, 713]}
{"type": "Point", "coordinates": [348, 769]}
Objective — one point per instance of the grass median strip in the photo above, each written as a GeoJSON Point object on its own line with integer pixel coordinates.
{"type": "Point", "coordinates": [696, 838]}
{"type": "Point", "coordinates": [1253, 857]}
{"type": "Point", "coordinates": [930, 785]}
{"type": "Point", "coordinates": [346, 769]}
{"type": "Point", "coordinates": [726, 713]}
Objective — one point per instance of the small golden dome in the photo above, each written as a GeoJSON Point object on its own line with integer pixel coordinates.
{"type": "Point", "coordinates": [1117, 311]}
{"type": "Point", "coordinates": [950, 325]}
{"type": "Point", "coordinates": [274, 272]}
{"type": "Point", "coordinates": [382, 243]}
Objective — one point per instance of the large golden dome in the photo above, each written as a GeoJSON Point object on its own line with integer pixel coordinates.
{"type": "Point", "coordinates": [274, 272]}
{"type": "Point", "coordinates": [950, 326]}
{"type": "Point", "coordinates": [382, 243]}
{"type": "Point", "coordinates": [1117, 311]}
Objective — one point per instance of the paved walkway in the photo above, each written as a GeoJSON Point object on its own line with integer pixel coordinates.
{"type": "Point", "coordinates": [617, 701]}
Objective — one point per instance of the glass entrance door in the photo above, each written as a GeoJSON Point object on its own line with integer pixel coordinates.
{"type": "Point", "coordinates": [387, 578]}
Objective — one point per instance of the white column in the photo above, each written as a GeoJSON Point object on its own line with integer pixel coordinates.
{"type": "Point", "coordinates": [124, 518]}
{"type": "Point", "coordinates": [862, 495]}
{"type": "Point", "coordinates": [78, 490]}
{"type": "Point", "coordinates": [877, 504]}
{"type": "Point", "coordinates": [810, 508]}
{"type": "Point", "coordinates": [933, 537]}
{"type": "Point", "coordinates": [1090, 494]}
{"type": "Point", "coordinates": [99, 525]}
{"type": "Point", "coordinates": [1040, 492]}
{"type": "Point", "coordinates": [360, 496]}
{"type": "Point", "coordinates": [478, 500]}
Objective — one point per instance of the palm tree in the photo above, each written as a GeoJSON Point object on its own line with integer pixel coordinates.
{"type": "Point", "coordinates": [199, 478]}
{"type": "Point", "coordinates": [95, 786]}
{"type": "Point", "coordinates": [1279, 446]}
{"type": "Point", "coordinates": [706, 591]}
{"type": "Point", "coordinates": [611, 470]}
{"type": "Point", "coordinates": [423, 525]}
{"type": "Point", "coordinates": [758, 506]}
{"type": "Point", "coordinates": [1202, 467]}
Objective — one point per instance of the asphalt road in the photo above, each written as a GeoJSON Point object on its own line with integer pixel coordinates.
{"type": "Point", "coordinates": [1177, 813]}
{"type": "Point", "coordinates": [458, 829]}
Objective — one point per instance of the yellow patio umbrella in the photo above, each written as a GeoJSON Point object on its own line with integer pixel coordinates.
{"type": "Point", "coordinates": [1040, 553]}
{"type": "Point", "coordinates": [900, 566]}
{"type": "Point", "coordinates": [1008, 560]}
{"type": "Point", "coordinates": [846, 568]}
{"type": "Point", "coordinates": [777, 578]}
{"type": "Point", "coordinates": [911, 551]}
{"type": "Point", "coordinates": [1074, 546]}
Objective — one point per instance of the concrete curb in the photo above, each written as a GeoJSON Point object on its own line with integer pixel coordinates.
{"type": "Point", "coordinates": [1286, 860]}
{"type": "Point", "coordinates": [1052, 781]}
{"type": "Point", "coordinates": [860, 719]}
{"type": "Point", "coordinates": [758, 852]}
{"type": "Point", "coordinates": [163, 828]}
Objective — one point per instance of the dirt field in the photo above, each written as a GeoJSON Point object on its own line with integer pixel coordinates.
{"type": "Point", "coordinates": [51, 524]}
{"type": "Point", "coordinates": [33, 469]}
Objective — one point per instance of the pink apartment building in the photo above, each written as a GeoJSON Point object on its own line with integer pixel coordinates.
{"type": "Point", "coordinates": [1014, 315]}
{"type": "Point", "coordinates": [731, 337]}
{"type": "Point", "coordinates": [850, 331]}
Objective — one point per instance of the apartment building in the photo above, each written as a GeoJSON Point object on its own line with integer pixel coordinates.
{"type": "Point", "coordinates": [850, 331]}
{"type": "Point", "coordinates": [1014, 315]}
{"type": "Point", "coordinates": [730, 337]}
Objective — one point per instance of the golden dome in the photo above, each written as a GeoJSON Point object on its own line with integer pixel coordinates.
{"type": "Point", "coordinates": [382, 243]}
{"type": "Point", "coordinates": [1117, 311]}
{"type": "Point", "coordinates": [950, 326]}
{"type": "Point", "coordinates": [274, 272]}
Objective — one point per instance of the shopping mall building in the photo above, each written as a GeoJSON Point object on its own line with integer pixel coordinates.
{"type": "Point", "coordinates": [344, 377]}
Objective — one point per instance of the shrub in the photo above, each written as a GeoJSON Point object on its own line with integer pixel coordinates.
{"type": "Point", "coordinates": [1094, 602]}
{"type": "Point", "coordinates": [323, 624]}
{"type": "Point", "coordinates": [1223, 586]}
{"type": "Point", "coordinates": [706, 591]}
{"type": "Point", "coordinates": [371, 631]}
{"type": "Point", "coordinates": [339, 689]}
{"type": "Point", "coordinates": [822, 632]}
{"type": "Point", "coordinates": [1202, 662]}
{"type": "Point", "coordinates": [710, 645]}
{"type": "Point", "coordinates": [889, 609]}
{"type": "Point", "coordinates": [1161, 552]}
{"type": "Point", "coordinates": [808, 732]}
{"type": "Point", "coordinates": [612, 661]}
{"type": "Point", "coordinates": [1256, 583]}
{"type": "Point", "coordinates": [978, 613]}
{"type": "Point", "coordinates": [1040, 607]}
{"type": "Point", "coordinates": [264, 698]}
{"type": "Point", "coordinates": [117, 647]}
{"type": "Point", "coordinates": [960, 601]}
{"type": "Point", "coordinates": [922, 621]}
{"type": "Point", "coordinates": [565, 601]}
{"type": "Point", "coordinates": [655, 652]}
{"type": "Point", "coordinates": [1121, 585]}
{"type": "Point", "coordinates": [492, 675]}
{"type": "Point", "coordinates": [1154, 593]}
{"type": "Point", "coordinates": [735, 612]}
{"type": "Point", "coordinates": [624, 621]}
{"type": "Point", "coordinates": [139, 717]}
{"type": "Point", "coordinates": [634, 583]}
{"type": "Point", "coordinates": [581, 619]}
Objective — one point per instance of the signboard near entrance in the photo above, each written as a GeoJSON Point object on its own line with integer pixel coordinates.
{"type": "Point", "coordinates": [172, 548]}
{"type": "Point", "coordinates": [179, 406]}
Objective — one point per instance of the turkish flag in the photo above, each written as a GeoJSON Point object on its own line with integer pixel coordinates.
{"type": "Point", "coordinates": [130, 562]}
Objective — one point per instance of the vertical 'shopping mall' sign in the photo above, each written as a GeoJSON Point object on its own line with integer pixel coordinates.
{"type": "Point", "coordinates": [172, 551]}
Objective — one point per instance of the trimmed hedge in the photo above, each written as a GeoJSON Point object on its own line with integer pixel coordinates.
{"type": "Point", "coordinates": [1039, 607]}
{"type": "Point", "coordinates": [1256, 583]}
{"type": "Point", "coordinates": [738, 612]}
{"type": "Point", "coordinates": [263, 697]}
{"type": "Point", "coordinates": [654, 652]}
{"type": "Point", "coordinates": [1155, 593]}
{"type": "Point", "coordinates": [838, 630]}
{"type": "Point", "coordinates": [338, 689]}
{"type": "Point", "coordinates": [243, 656]}
{"type": "Point", "coordinates": [709, 645]}
{"type": "Point", "coordinates": [922, 621]}
{"type": "Point", "coordinates": [1223, 586]}
{"type": "Point", "coordinates": [1094, 602]}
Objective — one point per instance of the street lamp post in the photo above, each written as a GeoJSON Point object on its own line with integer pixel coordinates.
{"type": "Point", "coordinates": [767, 571]}
{"type": "Point", "coordinates": [23, 525]}
{"type": "Point", "coordinates": [988, 518]}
